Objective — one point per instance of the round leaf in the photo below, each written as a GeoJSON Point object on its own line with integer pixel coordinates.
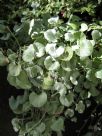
{"type": "Point", "coordinates": [29, 53]}
{"type": "Point", "coordinates": [96, 35]}
{"type": "Point", "coordinates": [38, 100]}
{"type": "Point", "coordinates": [50, 35]}
{"type": "Point", "coordinates": [51, 64]}
{"type": "Point", "coordinates": [14, 69]}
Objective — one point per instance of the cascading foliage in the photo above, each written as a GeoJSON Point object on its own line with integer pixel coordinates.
{"type": "Point", "coordinates": [57, 64]}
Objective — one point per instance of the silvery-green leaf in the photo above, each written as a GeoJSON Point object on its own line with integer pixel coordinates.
{"type": "Point", "coordinates": [69, 113]}
{"type": "Point", "coordinates": [53, 20]}
{"type": "Point", "coordinates": [67, 100]}
{"type": "Point", "coordinates": [29, 53]}
{"type": "Point", "coordinates": [33, 71]}
{"type": "Point", "coordinates": [31, 26]}
{"type": "Point", "coordinates": [73, 80]}
{"type": "Point", "coordinates": [68, 54]}
{"type": "Point", "coordinates": [22, 81]}
{"type": "Point", "coordinates": [40, 49]}
{"type": "Point", "coordinates": [12, 81]}
{"type": "Point", "coordinates": [73, 77]}
{"type": "Point", "coordinates": [58, 125]}
{"type": "Point", "coordinates": [51, 64]}
{"type": "Point", "coordinates": [50, 35]}
{"type": "Point", "coordinates": [85, 48]}
{"type": "Point", "coordinates": [98, 74]}
{"type": "Point", "coordinates": [16, 126]}
{"type": "Point", "coordinates": [96, 35]}
{"type": "Point", "coordinates": [66, 66]}
{"type": "Point", "coordinates": [69, 37]}
{"type": "Point", "coordinates": [38, 100]}
{"type": "Point", "coordinates": [60, 87]}
{"type": "Point", "coordinates": [80, 107]}
{"type": "Point", "coordinates": [64, 101]}
{"type": "Point", "coordinates": [14, 69]}
{"type": "Point", "coordinates": [47, 83]}
{"type": "Point", "coordinates": [52, 50]}
{"type": "Point", "coordinates": [84, 27]}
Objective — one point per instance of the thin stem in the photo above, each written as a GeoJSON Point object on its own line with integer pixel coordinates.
{"type": "Point", "coordinates": [36, 123]}
{"type": "Point", "coordinates": [16, 42]}
{"type": "Point", "coordinates": [14, 37]}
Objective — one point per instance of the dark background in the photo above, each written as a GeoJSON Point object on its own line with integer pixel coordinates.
{"type": "Point", "coordinates": [6, 114]}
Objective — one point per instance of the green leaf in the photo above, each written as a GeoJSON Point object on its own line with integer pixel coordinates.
{"type": "Point", "coordinates": [80, 107]}
{"type": "Point", "coordinates": [41, 128]}
{"type": "Point", "coordinates": [94, 92]}
{"type": "Point", "coordinates": [14, 69]}
{"type": "Point", "coordinates": [29, 53]}
{"type": "Point", "coordinates": [38, 100]}
{"type": "Point", "coordinates": [50, 35]}
{"type": "Point", "coordinates": [51, 64]}
{"type": "Point", "coordinates": [58, 125]}
{"type": "Point", "coordinates": [96, 35]}
{"type": "Point", "coordinates": [3, 28]}
{"type": "Point", "coordinates": [53, 51]}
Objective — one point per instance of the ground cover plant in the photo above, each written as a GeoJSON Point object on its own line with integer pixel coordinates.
{"type": "Point", "coordinates": [52, 51]}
